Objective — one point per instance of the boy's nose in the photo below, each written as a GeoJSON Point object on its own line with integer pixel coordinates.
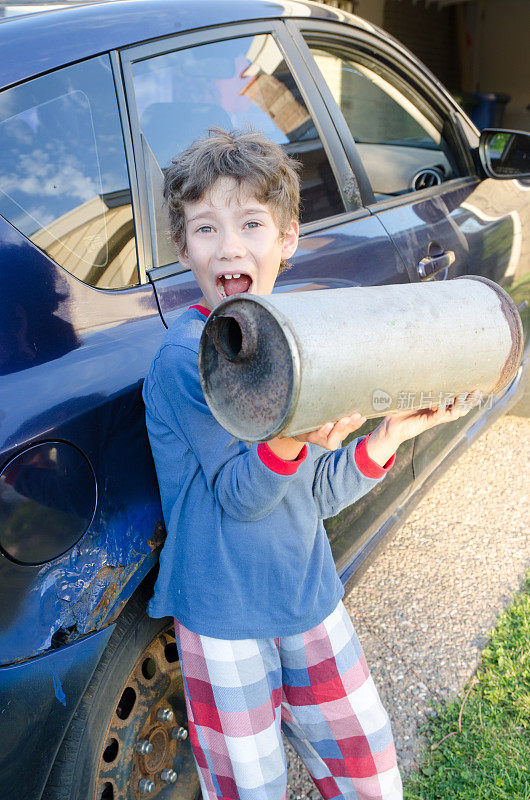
{"type": "Point", "coordinates": [230, 245]}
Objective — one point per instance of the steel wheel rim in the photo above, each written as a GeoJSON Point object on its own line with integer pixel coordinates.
{"type": "Point", "coordinates": [149, 709]}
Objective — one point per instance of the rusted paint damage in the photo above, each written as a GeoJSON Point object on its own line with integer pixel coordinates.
{"type": "Point", "coordinates": [98, 576]}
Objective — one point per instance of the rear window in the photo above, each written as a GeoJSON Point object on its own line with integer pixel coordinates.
{"type": "Point", "coordinates": [63, 176]}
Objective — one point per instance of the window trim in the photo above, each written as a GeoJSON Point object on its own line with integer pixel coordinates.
{"type": "Point", "coordinates": [422, 194]}
{"type": "Point", "coordinates": [321, 117]}
{"type": "Point", "coordinates": [309, 91]}
{"type": "Point", "coordinates": [130, 161]}
{"type": "Point", "coordinates": [381, 50]}
{"type": "Point", "coordinates": [332, 107]}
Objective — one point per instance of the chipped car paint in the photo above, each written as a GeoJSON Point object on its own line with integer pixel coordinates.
{"type": "Point", "coordinates": [86, 588]}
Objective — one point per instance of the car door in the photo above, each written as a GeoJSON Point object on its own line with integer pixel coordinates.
{"type": "Point", "coordinates": [404, 132]}
{"type": "Point", "coordinates": [253, 74]}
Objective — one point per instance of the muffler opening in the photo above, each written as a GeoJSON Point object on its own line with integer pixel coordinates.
{"type": "Point", "coordinates": [228, 338]}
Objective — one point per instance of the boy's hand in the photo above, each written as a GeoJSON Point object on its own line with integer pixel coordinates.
{"type": "Point", "coordinates": [329, 436]}
{"type": "Point", "coordinates": [408, 424]}
{"type": "Point", "coordinates": [397, 428]}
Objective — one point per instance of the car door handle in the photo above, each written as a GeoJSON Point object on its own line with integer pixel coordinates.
{"type": "Point", "coordinates": [432, 264]}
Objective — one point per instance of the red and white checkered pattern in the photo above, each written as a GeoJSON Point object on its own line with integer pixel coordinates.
{"type": "Point", "coordinates": [315, 686]}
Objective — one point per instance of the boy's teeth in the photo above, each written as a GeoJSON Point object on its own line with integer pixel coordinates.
{"type": "Point", "coordinates": [236, 275]}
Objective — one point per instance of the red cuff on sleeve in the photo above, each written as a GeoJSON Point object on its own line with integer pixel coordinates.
{"type": "Point", "coordinates": [280, 465]}
{"type": "Point", "coordinates": [202, 309]}
{"type": "Point", "coordinates": [367, 465]}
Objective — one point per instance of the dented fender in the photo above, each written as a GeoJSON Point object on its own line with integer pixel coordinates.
{"type": "Point", "coordinates": [85, 589]}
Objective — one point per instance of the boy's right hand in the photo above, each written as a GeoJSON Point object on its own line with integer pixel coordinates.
{"type": "Point", "coordinates": [329, 436]}
{"type": "Point", "coordinates": [332, 434]}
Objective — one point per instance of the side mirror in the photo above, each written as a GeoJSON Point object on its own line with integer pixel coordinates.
{"type": "Point", "coordinates": [505, 154]}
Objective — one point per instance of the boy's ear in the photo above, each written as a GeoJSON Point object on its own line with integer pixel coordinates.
{"type": "Point", "coordinates": [290, 240]}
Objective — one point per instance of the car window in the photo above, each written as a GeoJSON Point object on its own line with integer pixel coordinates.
{"type": "Point", "coordinates": [401, 140]}
{"type": "Point", "coordinates": [231, 84]}
{"type": "Point", "coordinates": [63, 176]}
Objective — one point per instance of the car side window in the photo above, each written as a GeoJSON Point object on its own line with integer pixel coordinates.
{"type": "Point", "coordinates": [230, 84]}
{"type": "Point", "coordinates": [63, 175]}
{"type": "Point", "coordinates": [401, 140]}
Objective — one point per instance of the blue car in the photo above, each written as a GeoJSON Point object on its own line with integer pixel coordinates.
{"type": "Point", "coordinates": [398, 186]}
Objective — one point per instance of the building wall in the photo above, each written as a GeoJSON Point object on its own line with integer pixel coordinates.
{"type": "Point", "coordinates": [371, 10]}
{"type": "Point", "coordinates": [430, 32]}
{"type": "Point", "coordinates": [473, 46]}
{"type": "Point", "coordinates": [504, 57]}
{"type": "Point", "coordinates": [478, 45]}
{"type": "Point", "coordinates": [421, 25]}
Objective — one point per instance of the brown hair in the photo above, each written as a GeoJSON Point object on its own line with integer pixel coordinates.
{"type": "Point", "coordinates": [245, 155]}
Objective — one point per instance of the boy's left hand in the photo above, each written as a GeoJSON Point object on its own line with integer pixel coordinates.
{"type": "Point", "coordinates": [408, 424]}
{"type": "Point", "coordinates": [397, 428]}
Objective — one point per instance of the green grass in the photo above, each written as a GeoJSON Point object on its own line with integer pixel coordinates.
{"type": "Point", "coordinates": [489, 757]}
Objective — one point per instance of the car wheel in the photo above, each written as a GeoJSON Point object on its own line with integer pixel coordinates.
{"type": "Point", "coordinates": [128, 737]}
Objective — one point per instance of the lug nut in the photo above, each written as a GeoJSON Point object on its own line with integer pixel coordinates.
{"type": "Point", "coordinates": [168, 776]}
{"type": "Point", "coordinates": [143, 747]}
{"type": "Point", "coordinates": [145, 786]}
{"type": "Point", "coordinates": [164, 714]}
{"type": "Point", "coordinates": [179, 733]}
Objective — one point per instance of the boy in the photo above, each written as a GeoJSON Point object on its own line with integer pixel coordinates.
{"type": "Point", "coordinates": [246, 570]}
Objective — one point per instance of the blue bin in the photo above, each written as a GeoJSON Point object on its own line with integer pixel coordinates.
{"type": "Point", "coordinates": [487, 108]}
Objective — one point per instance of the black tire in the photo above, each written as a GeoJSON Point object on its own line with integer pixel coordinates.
{"type": "Point", "coordinates": [137, 676]}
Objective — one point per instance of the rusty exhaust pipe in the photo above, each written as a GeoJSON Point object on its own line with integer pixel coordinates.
{"type": "Point", "coordinates": [287, 363]}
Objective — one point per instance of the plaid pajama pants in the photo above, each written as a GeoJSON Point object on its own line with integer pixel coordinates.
{"type": "Point", "coordinates": [314, 686]}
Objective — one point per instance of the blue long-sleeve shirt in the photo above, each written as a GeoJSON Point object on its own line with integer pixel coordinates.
{"type": "Point", "coordinates": [246, 553]}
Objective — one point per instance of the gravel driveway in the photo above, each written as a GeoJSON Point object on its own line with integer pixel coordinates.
{"type": "Point", "coordinates": [425, 608]}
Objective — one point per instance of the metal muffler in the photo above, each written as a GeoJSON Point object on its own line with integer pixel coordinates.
{"type": "Point", "coordinates": [287, 363]}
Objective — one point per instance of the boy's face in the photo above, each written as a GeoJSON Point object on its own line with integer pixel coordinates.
{"type": "Point", "coordinates": [233, 243]}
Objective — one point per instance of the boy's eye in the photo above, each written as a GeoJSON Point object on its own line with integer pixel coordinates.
{"type": "Point", "coordinates": [204, 229]}
{"type": "Point", "coordinates": [252, 224]}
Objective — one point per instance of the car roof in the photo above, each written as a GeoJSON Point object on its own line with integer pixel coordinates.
{"type": "Point", "coordinates": [38, 37]}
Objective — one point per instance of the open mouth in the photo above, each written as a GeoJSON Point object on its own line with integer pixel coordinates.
{"type": "Point", "coordinates": [233, 283]}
